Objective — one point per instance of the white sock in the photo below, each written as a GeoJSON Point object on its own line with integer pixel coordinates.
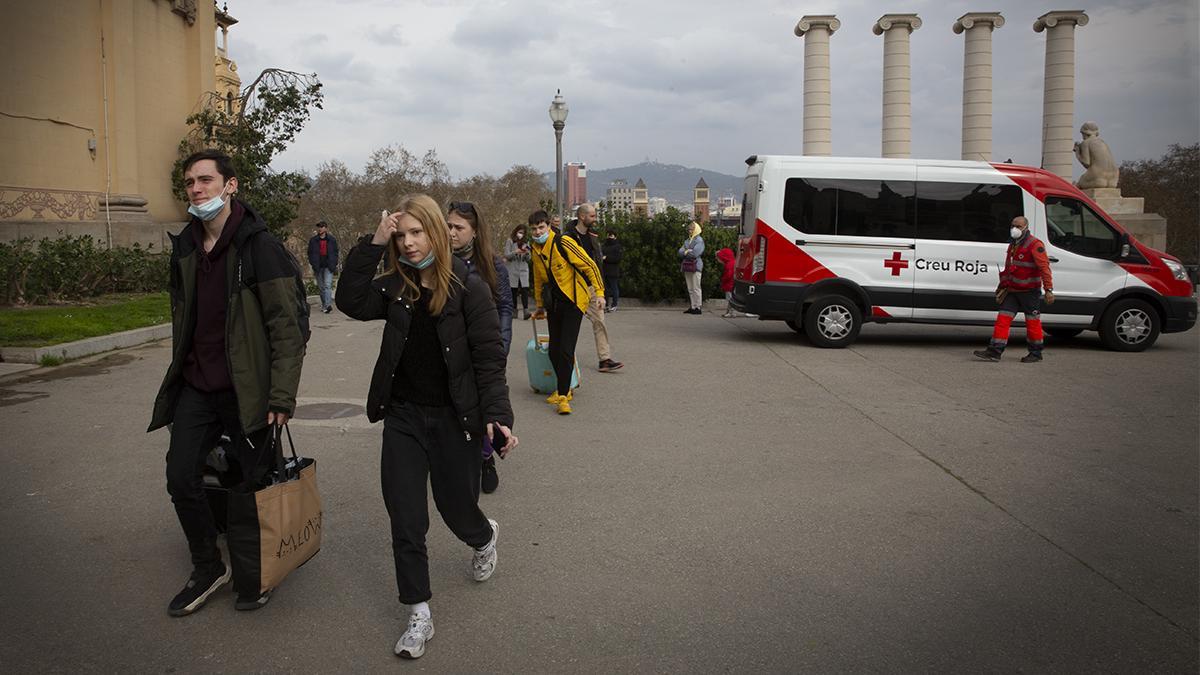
{"type": "Point", "coordinates": [420, 608]}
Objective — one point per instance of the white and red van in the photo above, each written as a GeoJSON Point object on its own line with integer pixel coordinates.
{"type": "Point", "coordinates": [828, 243]}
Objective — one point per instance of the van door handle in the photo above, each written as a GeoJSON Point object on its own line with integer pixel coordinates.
{"type": "Point", "coordinates": [1052, 259]}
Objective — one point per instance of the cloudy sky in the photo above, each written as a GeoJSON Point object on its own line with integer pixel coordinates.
{"type": "Point", "coordinates": [703, 83]}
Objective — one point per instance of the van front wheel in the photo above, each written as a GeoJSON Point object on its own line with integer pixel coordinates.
{"type": "Point", "coordinates": [832, 322]}
{"type": "Point", "coordinates": [1129, 326]}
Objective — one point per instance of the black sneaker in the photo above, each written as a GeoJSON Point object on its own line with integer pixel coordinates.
{"type": "Point", "coordinates": [489, 481]}
{"type": "Point", "coordinates": [248, 602]}
{"type": "Point", "coordinates": [328, 310]}
{"type": "Point", "coordinates": [695, 310]}
{"type": "Point", "coordinates": [202, 584]}
{"type": "Point", "coordinates": [608, 366]}
{"type": "Point", "coordinates": [1031, 357]}
{"type": "Point", "coordinates": [988, 354]}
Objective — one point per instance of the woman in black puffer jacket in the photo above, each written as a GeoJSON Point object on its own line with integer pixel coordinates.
{"type": "Point", "coordinates": [439, 385]}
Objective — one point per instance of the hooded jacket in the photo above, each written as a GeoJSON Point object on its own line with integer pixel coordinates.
{"type": "Point", "coordinates": [725, 256]}
{"type": "Point", "coordinates": [266, 321]}
{"type": "Point", "coordinates": [468, 330]}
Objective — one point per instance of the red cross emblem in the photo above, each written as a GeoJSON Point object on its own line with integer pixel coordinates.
{"type": "Point", "coordinates": [895, 264]}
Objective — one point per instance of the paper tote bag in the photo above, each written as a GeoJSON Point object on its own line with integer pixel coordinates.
{"type": "Point", "coordinates": [277, 528]}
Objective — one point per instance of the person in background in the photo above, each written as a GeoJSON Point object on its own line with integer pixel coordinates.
{"type": "Point", "coordinates": [323, 257]}
{"type": "Point", "coordinates": [725, 257]}
{"type": "Point", "coordinates": [610, 253]}
{"type": "Point", "coordinates": [438, 385]}
{"type": "Point", "coordinates": [691, 266]}
{"type": "Point", "coordinates": [580, 230]}
{"type": "Point", "coordinates": [562, 275]}
{"type": "Point", "coordinates": [516, 255]}
{"type": "Point", "coordinates": [471, 241]}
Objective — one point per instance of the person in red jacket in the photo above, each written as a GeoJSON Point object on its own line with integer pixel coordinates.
{"type": "Point", "coordinates": [1026, 272]}
{"type": "Point", "coordinates": [726, 258]}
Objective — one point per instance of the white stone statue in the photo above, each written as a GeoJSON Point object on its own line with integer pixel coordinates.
{"type": "Point", "coordinates": [1096, 158]}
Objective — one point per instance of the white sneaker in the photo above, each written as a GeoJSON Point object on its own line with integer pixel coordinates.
{"type": "Point", "coordinates": [411, 645]}
{"type": "Point", "coordinates": [483, 563]}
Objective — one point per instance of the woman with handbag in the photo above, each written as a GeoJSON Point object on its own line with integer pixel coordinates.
{"type": "Point", "coordinates": [516, 255]}
{"type": "Point", "coordinates": [691, 265]}
{"type": "Point", "coordinates": [471, 241]}
{"type": "Point", "coordinates": [438, 384]}
{"type": "Point", "coordinates": [562, 272]}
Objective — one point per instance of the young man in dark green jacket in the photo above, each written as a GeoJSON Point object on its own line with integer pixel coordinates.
{"type": "Point", "coordinates": [239, 326]}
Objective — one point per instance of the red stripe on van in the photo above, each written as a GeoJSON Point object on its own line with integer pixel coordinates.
{"type": "Point", "coordinates": [878, 312]}
{"type": "Point", "coordinates": [786, 262]}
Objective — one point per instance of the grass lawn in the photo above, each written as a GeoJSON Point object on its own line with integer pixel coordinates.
{"type": "Point", "coordinates": [51, 325]}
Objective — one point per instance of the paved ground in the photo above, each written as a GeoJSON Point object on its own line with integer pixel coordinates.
{"type": "Point", "coordinates": [734, 500]}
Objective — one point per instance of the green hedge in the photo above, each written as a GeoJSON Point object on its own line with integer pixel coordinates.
{"type": "Point", "coordinates": [73, 268]}
{"type": "Point", "coordinates": [650, 263]}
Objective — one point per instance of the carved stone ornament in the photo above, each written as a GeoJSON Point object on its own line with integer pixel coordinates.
{"type": "Point", "coordinates": [967, 21]}
{"type": "Point", "coordinates": [1095, 156]}
{"type": "Point", "coordinates": [807, 23]}
{"type": "Point", "coordinates": [1052, 19]}
{"type": "Point", "coordinates": [65, 204]}
{"type": "Point", "coordinates": [889, 21]}
{"type": "Point", "coordinates": [186, 9]}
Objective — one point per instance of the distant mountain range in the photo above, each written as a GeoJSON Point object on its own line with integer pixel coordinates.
{"type": "Point", "coordinates": [671, 181]}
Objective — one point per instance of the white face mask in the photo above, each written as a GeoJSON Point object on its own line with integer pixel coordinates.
{"type": "Point", "coordinates": [1016, 232]}
{"type": "Point", "coordinates": [209, 209]}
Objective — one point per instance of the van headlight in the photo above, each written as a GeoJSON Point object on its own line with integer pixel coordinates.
{"type": "Point", "coordinates": [1177, 269]}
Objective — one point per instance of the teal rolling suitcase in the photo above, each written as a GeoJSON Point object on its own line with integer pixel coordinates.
{"type": "Point", "coordinates": [537, 358]}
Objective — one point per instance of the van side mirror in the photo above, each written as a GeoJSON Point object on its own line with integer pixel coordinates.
{"type": "Point", "coordinates": [1124, 245]}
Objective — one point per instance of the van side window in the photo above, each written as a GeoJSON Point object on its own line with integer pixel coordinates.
{"type": "Point", "coordinates": [966, 211]}
{"type": "Point", "coordinates": [850, 208]}
{"type": "Point", "coordinates": [1075, 227]}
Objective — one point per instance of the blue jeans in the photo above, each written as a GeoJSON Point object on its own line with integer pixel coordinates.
{"type": "Point", "coordinates": [325, 283]}
{"type": "Point", "coordinates": [612, 290]}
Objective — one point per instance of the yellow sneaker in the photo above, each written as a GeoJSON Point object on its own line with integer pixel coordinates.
{"type": "Point", "coordinates": [564, 407]}
{"type": "Point", "coordinates": [553, 399]}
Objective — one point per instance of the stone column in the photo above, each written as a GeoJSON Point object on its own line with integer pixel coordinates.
{"type": "Point", "coordinates": [977, 83]}
{"type": "Point", "coordinates": [897, 82]}
{"type": "Point", "coordinates": [1058, 100]}
{"type": "Point", "coordinates": [818, 109]}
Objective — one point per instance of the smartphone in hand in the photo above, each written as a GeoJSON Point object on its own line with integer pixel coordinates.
{"type": "Point", "coordinates": [499, 440]}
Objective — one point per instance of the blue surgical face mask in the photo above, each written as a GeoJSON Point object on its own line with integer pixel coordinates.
{"type": "Point", "coordinates": [422, 264]}
{"type": "Point", "coordinates": [541, 239]}
{"type": "Point", "coordinates": [209, 209]}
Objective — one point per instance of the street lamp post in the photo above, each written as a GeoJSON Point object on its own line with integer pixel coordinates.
{"type": "Point", "coordinates": [558, 115]}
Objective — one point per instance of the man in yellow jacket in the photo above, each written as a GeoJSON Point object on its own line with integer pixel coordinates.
{"type": "Point", "coordinates": [562, 273]}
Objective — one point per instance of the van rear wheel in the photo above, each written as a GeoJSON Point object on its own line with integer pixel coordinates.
{"type": "Point", "coordinates": [832, 322]}
{"type": "Point", "coordinates": [1129, 326]}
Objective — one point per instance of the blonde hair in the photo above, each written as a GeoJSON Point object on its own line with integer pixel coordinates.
{"type": "Point", "coordinates": [429, 214]}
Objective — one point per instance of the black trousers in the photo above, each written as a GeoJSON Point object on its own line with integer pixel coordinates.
{"type": "Point", "coordinates": [200, 419]}
{"type": "Point", "coordinates": [420, 444]}
{"type": "Point", "coordinates": [521, 292]}
{"type": "Point", "coordinates": [564, 334]}
{"type": "Point", "coordinates": [612, 290]}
